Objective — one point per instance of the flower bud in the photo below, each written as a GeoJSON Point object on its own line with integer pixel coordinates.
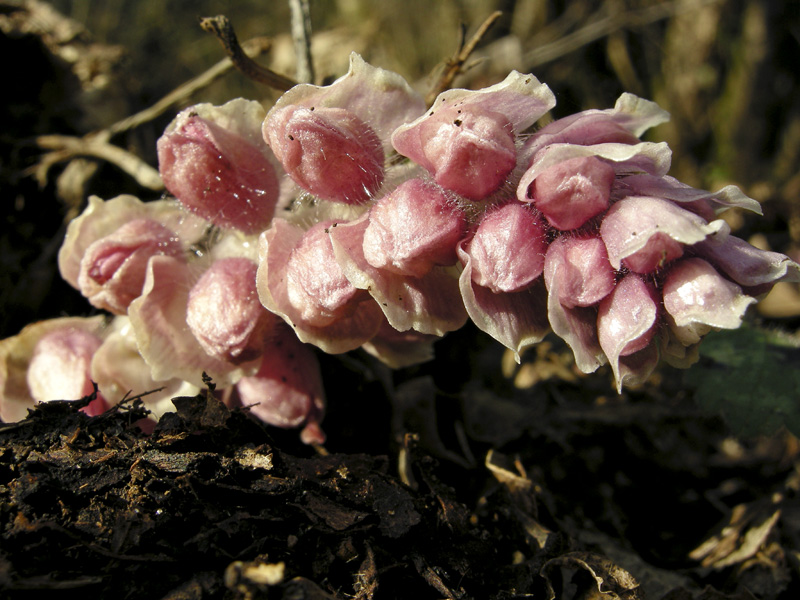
{"type": "Point", "coordinates": [316, 286]}
{"type": "Point", "coordinates": [413, 229]}
{"type": "Point", "coordinates": [60, 368]}
{"type": "Point", "coordinates": [581, 265]}
{"type": "Point", "coordinates": [218, 173]}
{"type": "Point", "coordinates": [328, 152]}
{"type": "Point", "coordinates": [573, 191]}
{"type": "Point", "coordinates": [224, 313]}
{"type": "Point", "coordinates": [627, 317]}
{"type": "Point", "coordinates": [508, 249]}
{"type": "Point", "coordinates": [113, 268]}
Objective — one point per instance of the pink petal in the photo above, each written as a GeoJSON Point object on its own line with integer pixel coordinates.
{"type": "Point", "coordinates": [219, 173]}
{"type": "Point", "coordinates": [468, 139]}
{"type": "Point", "coordinates": [286, 391]}
{"type": "Point", "coordinates": [508, 248]}
{"type": "Point", "coordinates": [695, 293]}
{"type": "Point", "coordinates": [329, 152]}
{"type": "Point", "coordinates": [429, 304]}
{"type": "Point", "coordinates": [412, 229]}
{"type": "Point", "coordinates": [120, 371]}
{"type": "Point", "coordinates": [59, 367]}
{"type": "Point", "coordinates": [645, 157]}
{"type": "Point", "coordinates": [745, 264]}
{"type": "Point", "coordinates": [577, 326]}
{"type": "Point", "coordinates": [630, 224]}
{"type": "Point", "coordinates": [635, 368]}
{"type": "Point", "coordinates": [103, 218]}
{"type": "Point", "coordinates": [15, 357]}
{"type": "Point", "coordinates": [518, 320]}
{"type": "Point", "coordinates": [381, 99]}
{"type": "Point", "coordinates": [316, 286]}
{"type": "Point", "coordinates": [400, 349]}
{"type": "Point", "coordinates": [224, 313]}
{"type": "Point", "coordinates": [353, 322]}
{"type": "Point", "coordinates": [581, 265]}
{"type": "Point", "coordinates": [629, 119]}
{"type": "Point", "coordinates": [113, 268]}
{"type": "Point", "coordinates": [670, 188]}
{"type": "Point", "coordinates": [626, 321]}
{"type": "Point", "coordinates": [165, 340]}
{"type": "Point", "coordinates": [572, 192]}
{"type": "Point", "coordinates": [659, 250]}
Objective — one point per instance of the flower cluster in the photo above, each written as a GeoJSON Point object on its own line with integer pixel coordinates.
{"type": "Point", "coordinates": [352, 216]}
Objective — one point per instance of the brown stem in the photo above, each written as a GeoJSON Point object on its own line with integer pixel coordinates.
{"type": "Point", "coordinates": [221, 27]}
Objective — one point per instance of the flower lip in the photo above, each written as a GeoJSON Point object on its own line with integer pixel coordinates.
{"type": "Point", "coordinates": [113, 268]}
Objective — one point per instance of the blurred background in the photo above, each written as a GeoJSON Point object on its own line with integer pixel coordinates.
{"type": "Point", "coordinates": [727, 71]}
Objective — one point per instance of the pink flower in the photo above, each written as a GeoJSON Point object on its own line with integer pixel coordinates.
{"type": "Point", "coordinates": [165, 340]}
{"type": "Point", "coordinates": [113, 268]}
{"type": "Point", "coordinates": [215, 162]}
{"type": "Point", "coordinates": [300, 280]}
{"type": "Point", "coordinates": [328, 152]}
{"type": "Point", "coordinates": [428, 304]}
{"type": "Point", "coordinates": [645, 233]}
{"type": "Point", "coordinates": [467, 141]}
{"type": "Point", "coordinates": [332, 140]}
{"type": "Point", "coordinates": [412, 229]}
{"type": "Point", "coordinates": [572, 192]}
{"type": "Point", "coordinates": [508, 248]}
{"type": "Point", "coordinates": [120, 371]}
{"type": "Point", "coordinates": [224, 313]}
{"type": "Point", "coordinates": [501, 283]}
{"type": "Point", "coordinates": [60, 367]}
{"type": "Point", "coordinates": [582, 268]}
{"type": "Point", "coordinates": [286, 391]}
{"type": "Point", "coordinates": [626, 323]}
{"type": "Point", "coordinates": [106, 249]}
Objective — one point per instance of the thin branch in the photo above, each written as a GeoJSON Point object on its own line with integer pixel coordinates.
{"type": "Point", "coordinates": [97, 146]}
{"type": "Point", "coordinates": [221, 27]}
{"type": "Point", "coordinates": [252, 48]}
{"type": "Point", "coordinates": [455, 65]}
{"type": "Point", "coordinates": [301, 35]}
{"type": "Point", "coordinates": [65, 148]}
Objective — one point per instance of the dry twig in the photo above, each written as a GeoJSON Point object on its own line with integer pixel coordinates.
{"type": "Point", "coordinates": [221, 27]}
{"type": "Point", "coordinates": [456, 64]}
{"type": "Point", "coordinates": [65, 148]}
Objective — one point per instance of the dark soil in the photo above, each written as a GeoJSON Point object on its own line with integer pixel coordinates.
{"type": "Point", "coordinates": [503, 495]}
